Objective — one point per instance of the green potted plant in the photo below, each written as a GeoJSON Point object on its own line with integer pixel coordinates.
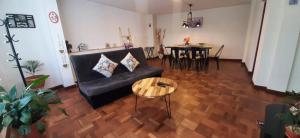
{"type": "Point", "coordinates": [21, 112]}
{"type": "Point", "coordinates": [31, 67]}
{"type": "Point", "coordinates": [291, 119]}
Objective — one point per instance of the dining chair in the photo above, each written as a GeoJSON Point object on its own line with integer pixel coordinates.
{"type": "Point", "coordinates": [194, 58]}
{"type": "Point", "coordinates": [164, 55]}
{"type": "Point", "coordinates": [176, 58]}
{"type": "Point", "coordinates": [218, 55]}
{"type": "Point", "coordinates": [183, 56]}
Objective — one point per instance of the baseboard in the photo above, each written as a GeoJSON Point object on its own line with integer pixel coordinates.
{"type": "Point", "coordinates": [56, 87]}
{"type": "Point", "coordinates": [62, 87]}
{"type": "Point", "coordinates": [71, 87]}
{"type": "Point", "coordinates": [227, 59]}
{"type": "Point", "coordinates": [246, 69]}
{"type": "Point", "coordinates": [233, 60]}
{"type": "Point", "coordinates": [263, 88]}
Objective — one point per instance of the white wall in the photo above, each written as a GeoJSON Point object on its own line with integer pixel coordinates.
{"type": "Point", "coordinates": [278, 45]}
{"type": "Point", "coordinates": [253, 28]}
{"type": "Point", "coordinates": [155, 43]}
{"type": "Point", "coordinates": [96, 24]}
{"type": "Point", "coordinates": [294, 82]}
{"type": "Point", "coordinates": [227, 25]}
{"type": "Point", "coordinates": [269, 39]}
{"type": "Point", "coordinates": [58, 41]}
{"type": "Point", "coordinates": [150, 31]}
{"type": "Point", "coordinates": [35, 43]}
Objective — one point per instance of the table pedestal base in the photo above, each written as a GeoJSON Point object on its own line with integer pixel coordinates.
{"type": "Point", "coordinates": [166, 98]}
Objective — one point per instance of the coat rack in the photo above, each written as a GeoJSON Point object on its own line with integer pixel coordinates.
{"type": "Point", "coordinates": [14, 55]}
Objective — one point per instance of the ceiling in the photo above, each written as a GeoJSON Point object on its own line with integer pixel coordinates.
{"type": "Point", "coordinates": [168, 6]}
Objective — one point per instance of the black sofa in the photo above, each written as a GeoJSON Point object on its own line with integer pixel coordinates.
{"type": "Point", "coordinates": [99, 90]}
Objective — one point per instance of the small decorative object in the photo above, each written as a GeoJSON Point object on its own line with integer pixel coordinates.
{"type": "Point", "coordinates": [162, 84]}
{"type": "Point", "coordinates": [105, 66]}
{"type": "Point", "coordinates": [82, 47]}
{"type": "Point", "coordinates": [31, 67]}
{"type": "Point", "coordinates": [69, 46]}
{"type": "Point", "coordinates": [20, 21]}
{"type": "Point", "coordinates": [291, 119]}
{"type": "Point", "coordinates": [22, 112]}
{"type": "Point", "coordinates": [192, 22]}
{"type": "Point", "coordinates": [128, 45]}
{"type": "Point", "coordinates": [293, 2]}
{"type": "Point", "coordinates": [160, 36]}
{"type": "Point", "coordinates": [186, 40]}
{"type": "Point", "coordinates": [126, 39]}
{"type": "Point", "coordinates": [53, 17]}
{"type": "Point", "coordinates": [107, 45]}
{"type": "Point", "coordinates": [130, 62]}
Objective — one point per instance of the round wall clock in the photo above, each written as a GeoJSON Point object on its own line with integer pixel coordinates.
{"type": "Point", "coordinates": [53, 17]}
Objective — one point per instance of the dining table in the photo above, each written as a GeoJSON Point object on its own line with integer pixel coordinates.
{"type": "Point", "coordinates": [205, 46]}
{"type": "Point", "coordinates": [199, 45]}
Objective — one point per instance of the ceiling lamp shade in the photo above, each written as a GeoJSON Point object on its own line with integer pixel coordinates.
{"type": "Point", "coordinates": [184, 24]}
{"type": "Point", "coordinates": [198, 24]}
{"type": "Point", "coordinates": [192, 22]}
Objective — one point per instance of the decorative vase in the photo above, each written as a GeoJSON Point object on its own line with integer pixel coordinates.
{"type": "Point", "coordinates": [186, 41]}
{"type": "Point", "coordinates": [30, 79]}
{"type": "Point", "coordinates": [290, 134]}
{"type": "Point", "coordinates": [13, 133]}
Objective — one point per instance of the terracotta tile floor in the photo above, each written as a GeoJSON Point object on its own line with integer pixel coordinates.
{"type": "Point", "coordinates": [212, 104]}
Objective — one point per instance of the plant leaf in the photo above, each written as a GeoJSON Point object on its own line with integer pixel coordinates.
{"type": "Point", "coordinates": [24, 129]}
{"type": "Point", "coordinates": [2, 108]}
{"type": "Point", "coordinates": [51, 97]}
{"type": "Point", "coordinates": [24, 101]}
{"type": "Point", "coordinates": [2, 89]}
{"type": "Point", "coordinates": [1, 127]}
{"type": "Point", "coordinates": [31, 66]}
{"type": "Point", "coordinates": [13, 93]}
{"type": "Point", "coordinates": [41, 127]}
{"type": "Point", "coordinates": [37, 82]}
{"type": "Point", "coordinates": [63, 111]}
{"type": "Point", "coordinates": [5, 97]}
{"type": "Point", "coordinates": [26, 117]}
{"type": "Point", "coordinates": [43, 91]}
{"type": "Point", "coordinates": [7, 120]}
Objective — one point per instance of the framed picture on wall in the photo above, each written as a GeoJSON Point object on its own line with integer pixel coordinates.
{"type": "Point", "coordinates": [20, 21]}
{"type": "Point", "coordinates": [293, 2]}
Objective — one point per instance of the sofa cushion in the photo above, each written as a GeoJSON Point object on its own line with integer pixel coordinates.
{"type": "Point", "coordinates": [142, 72]}
{"type": "Point", "coordinates": [103, 85]}
{"type": "Point", "coordinates": [105, 66]}
{"type": "Point", "coordinates": [97, 87]}
{"type": "Point", "coordinates": [83, 64]}
{"type": "Point", "coordinates": [130, 62]}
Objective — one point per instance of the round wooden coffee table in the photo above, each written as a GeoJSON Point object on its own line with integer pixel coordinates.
{"type": "Point", "coordinates": [155, 87]}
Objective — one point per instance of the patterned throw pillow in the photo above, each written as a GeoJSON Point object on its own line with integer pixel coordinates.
{"type": "Point", "coordinates": [105, 66]}
{"type": "Point", "coordinates": [130, 62]}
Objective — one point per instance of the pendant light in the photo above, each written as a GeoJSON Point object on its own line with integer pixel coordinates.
{"type": "Point", "coordinates": [190, 21]}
